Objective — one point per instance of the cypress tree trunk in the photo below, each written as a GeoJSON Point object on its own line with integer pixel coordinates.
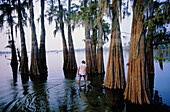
{"type": "Point", "coordinates": [65, 50]}
{"type": "Point", "coordinates": [149, 52]}
{"type": "Point", "coordinates": [137, 88]}
{"type": "Point", "coordinates": [14, 62]}
{"type": "Point", "coordinates": [42, 50]}
{"type": "Point", "coordinates": [115, 76]}
{"type": "Point", "coordinates": [35, 64]}
{"type": "Point", "coordinates": [24, 58]}
{"type": "Point", "coordinates": [99, 57]}
{"type": "Point", "coordinates": [94, 39]}
{"type": "Point", "coordinates": [72, 65]}
{"type": "Point", "coordinates": [88, 46]}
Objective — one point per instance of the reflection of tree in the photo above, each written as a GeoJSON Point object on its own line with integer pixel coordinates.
{"type": "Point", "coordinates": [94, 93]}
{"type": "Point", "coordinates": [36, 101]}
{"type": "Point", "coordinates": [161, 60]}
{"type": "Point", "coordinates": [157, 99]}
{"type": "Point", "coordinates": [68, 102]}
{"type": "Point", "coordinates": [39, 98]}
{"type": "Point", "coordinates": [114, 100]}
{"type": "Point", "coordinates": [25, 88]}
{"type": "Point", "coordinates": [156, 106]}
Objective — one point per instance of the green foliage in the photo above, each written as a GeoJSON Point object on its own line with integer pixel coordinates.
{"type": "Point", "coordinates": [106, 30]}
{"type": "Point", "coordinates": [80, 13]}
{"type": "Point", "coordinates": [6, 13]}
{"type": "Point", "coordinates": [163, 59]}
{"type": "Point", "coordinates": [156, 24]}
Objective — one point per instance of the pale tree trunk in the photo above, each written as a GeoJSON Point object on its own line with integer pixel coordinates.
{"type": "Point", "coordinates": [24, 58]}
{"type": "Point", "coordinates": [99, 57]}
{"type": "Point", "coordinates": [65, 50]}
{"type": "Point", "coordinates": [72, 65]}
{"type": "Point", "coordinates": [115, 76]}
{"type": "Point", "coordinates": [137, 88]}
{"type": "Point", "coordinates": [42, 50]}
{"type": "Point", "coordinates": [35, 64]}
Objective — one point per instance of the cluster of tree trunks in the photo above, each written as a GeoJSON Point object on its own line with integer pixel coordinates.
{"type": "Point", "coordinates": [38, 57]}
{"type": "Point", "coordinates": [95, 63]}
{"type": "Point", "coordinates": [141, 66]}
{"type": "Point", "coordinates": [69, 64]}
{"type": "Point", "coordinates": [65, 50]}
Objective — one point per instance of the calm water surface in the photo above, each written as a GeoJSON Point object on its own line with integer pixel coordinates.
{"type": "Point", "coordinates": [60, 93]}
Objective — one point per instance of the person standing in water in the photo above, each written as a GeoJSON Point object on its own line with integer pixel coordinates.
{"type": "Point", "coordinates": [82, 72]}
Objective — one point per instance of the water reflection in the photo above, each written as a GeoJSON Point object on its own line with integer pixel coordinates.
{"type": "Point", "coordinates": [60, 92]}
{"type": "Point", "coordinates": [67, 98]}
{"type": "Point", "coordinates": [36, 101]}
{"type": "Point", "coordinates": [115, 100]}
{"type": "Point", "coordinates": [25, 88]}
{"type": "Point", "coordinates": [39, 99]}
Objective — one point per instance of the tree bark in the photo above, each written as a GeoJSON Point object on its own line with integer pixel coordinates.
{"type": "Point", "coordinates": [24, 58]}
{"type": "Point", "coordinates": [94, 39]}
{"type": "Point", "coordinates": [149, 52]}
{"type": "Point", "coordinates": [72, 65]}
{"type": "Point", "coordinates": [14, 62]}
{"type": "Point", "coordinates": [42, 50]}
{"type": "Point", "coordinates": [115, 76]}
{"type": "Point", "coordinates": [65, 50]}
{"type": "Point", "coordinates": [88, 46]}
{"type": "Point", "coordinates": [137, 88]}
{"type": "Point", "coordinates": [99, 57]}
{"type": "Point", "coordinates": [35, 68]}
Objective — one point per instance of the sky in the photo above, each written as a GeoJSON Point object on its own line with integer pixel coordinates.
{"type": "Point", "coordinates": [55, 43]}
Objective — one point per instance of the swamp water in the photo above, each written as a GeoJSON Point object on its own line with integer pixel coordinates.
{"type": "Point", "coordinates": [60, 93]}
